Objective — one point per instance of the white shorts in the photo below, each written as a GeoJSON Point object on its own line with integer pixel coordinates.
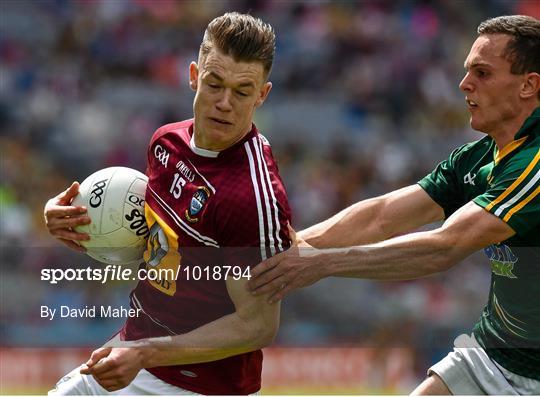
{"type": "Point", "coordinates": [469, 370]}
{"type": "Point", "coordinates": [144, 383]}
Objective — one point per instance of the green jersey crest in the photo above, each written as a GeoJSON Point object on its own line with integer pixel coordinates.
{"type": "Point", "coordinates": [502, 260]}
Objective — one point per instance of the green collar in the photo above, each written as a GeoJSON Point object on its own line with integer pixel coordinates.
{"type": "Point", "coordinates": [531, 126]}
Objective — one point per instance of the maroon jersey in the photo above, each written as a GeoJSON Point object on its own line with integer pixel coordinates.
{"type": "Point", "coordinates": [212, 211]}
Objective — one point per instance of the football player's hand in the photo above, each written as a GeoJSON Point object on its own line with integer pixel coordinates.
{"type": "Point", "coordinates": [299, 266]}
{"type": "Point", "coordinates": [114, 368]}
{"type": "Point", "coordinates": [61, 217]}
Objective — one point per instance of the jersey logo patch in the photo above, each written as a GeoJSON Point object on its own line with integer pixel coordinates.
{"type": "Point", "coordinates": [161, 155]}
{"type": "Point", "coordinates": [197, 203]}
{"type": "Point", "coordinates": [469, 178]}
{"type": "Point", "coordinates": [502, 260]}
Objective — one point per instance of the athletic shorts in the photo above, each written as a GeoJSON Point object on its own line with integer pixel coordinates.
{"type": "Point", "coordinates": [468, 370]}
{"type": "Point", "coordinates": [144, 383]}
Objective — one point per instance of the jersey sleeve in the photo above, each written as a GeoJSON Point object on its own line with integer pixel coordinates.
{"type": "Point", "coordinates": [513, 194]}
{"type": "Point", "coordinates": [442, 184]}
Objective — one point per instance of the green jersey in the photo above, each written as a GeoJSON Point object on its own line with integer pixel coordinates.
{"type": "Point", "coordinates": [507, 184]}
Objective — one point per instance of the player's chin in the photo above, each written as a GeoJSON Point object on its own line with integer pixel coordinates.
{"type": "Point", "coordinates": [476, 123]}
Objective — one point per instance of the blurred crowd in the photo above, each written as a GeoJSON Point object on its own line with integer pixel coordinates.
{"type": "Point", "coordinates": [365, 99]}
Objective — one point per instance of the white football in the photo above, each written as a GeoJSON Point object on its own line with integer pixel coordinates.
{"type": "Point", "coordinates": [114, 198]}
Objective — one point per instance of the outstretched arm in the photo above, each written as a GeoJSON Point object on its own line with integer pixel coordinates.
{"type": "Point", "coordinates": [252, 326]}
{"type": "Point", "coordinates": [406, 257]}
{"type": "Point", "coordinates": [373, 220]}
{"type": "Point", "coordinates": [366, 222]}
{"type": "Point", "coordinates": [421, 254]}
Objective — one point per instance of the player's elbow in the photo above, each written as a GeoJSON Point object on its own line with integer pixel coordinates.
{"type": "Point", "coordinates": [266, 336]}
{"type": "Point", "coordinates": [263, 333]}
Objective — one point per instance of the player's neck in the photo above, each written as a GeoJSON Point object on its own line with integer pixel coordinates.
{"type": "Point", "coordinates": [506, 132]}
{"type": "Point", "coordinates": [201, 142]}
{"type": "Point", "coordinates": [503, 136]}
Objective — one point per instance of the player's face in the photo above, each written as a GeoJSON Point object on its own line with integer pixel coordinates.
{"type": "Point", "coordinates": [492, 92]}
{"type": "Point", "coordinates": [227, 94]}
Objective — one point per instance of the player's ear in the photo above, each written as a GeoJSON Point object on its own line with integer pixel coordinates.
{"type": "Point", "coordinates": [263, 93]}
{"type": "Point", "coordinates": [530, 86]}
{"type": "Point", "coordinates": [193, 76]}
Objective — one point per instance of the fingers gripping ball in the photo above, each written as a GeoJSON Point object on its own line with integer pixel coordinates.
{"type": "Point", "coordinates": [114, 198]}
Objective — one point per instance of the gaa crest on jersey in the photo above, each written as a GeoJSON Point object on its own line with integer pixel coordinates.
{"type": "Point", "coordinates": [502, 260]}
{"type": "Point", "coordinates": [198, 201]}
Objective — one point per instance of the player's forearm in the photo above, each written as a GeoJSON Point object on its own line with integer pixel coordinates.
{"type": "Point", "coordinates": [356, 225]}
{"type": "Point", "coordinates": [407, 257]}
{"type": "Point", "coordinates": [376, 219]}
{"type": "Point", "coordinates": [228, 336]}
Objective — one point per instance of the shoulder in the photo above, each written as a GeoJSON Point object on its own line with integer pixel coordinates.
{"type": "Point", "coordinates": [259, 154]}
{"type": "Point", "coordinates": [263, 169]}
{"type": "Point", "coordinates": [251, 161]}
{"type": "Point", "coordinates": [179, 128]}
{"type": "Point", "coordinates": [254, 183]}
{"type": "Point", "coordinates": [472, 149]}
{"type": "Point", "coordinates": [254, 176]}
{"type": "Point", "coordinates": [461, 160]}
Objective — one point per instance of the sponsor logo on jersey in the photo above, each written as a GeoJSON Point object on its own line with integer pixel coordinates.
{"type": "Point", "coordinates": [469, 178]}
{"type": "Point", "coordinates": [197, 203]}
{"type": "Point", "coordinates": [161, 155]}
{"type": "Point", "coordinates": [185, 170]}
{"type": "Point", "coordinates": [502, 260]}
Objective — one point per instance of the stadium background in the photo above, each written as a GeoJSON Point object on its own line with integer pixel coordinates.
{"type": "Point", "coordinates": [365, 100]}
